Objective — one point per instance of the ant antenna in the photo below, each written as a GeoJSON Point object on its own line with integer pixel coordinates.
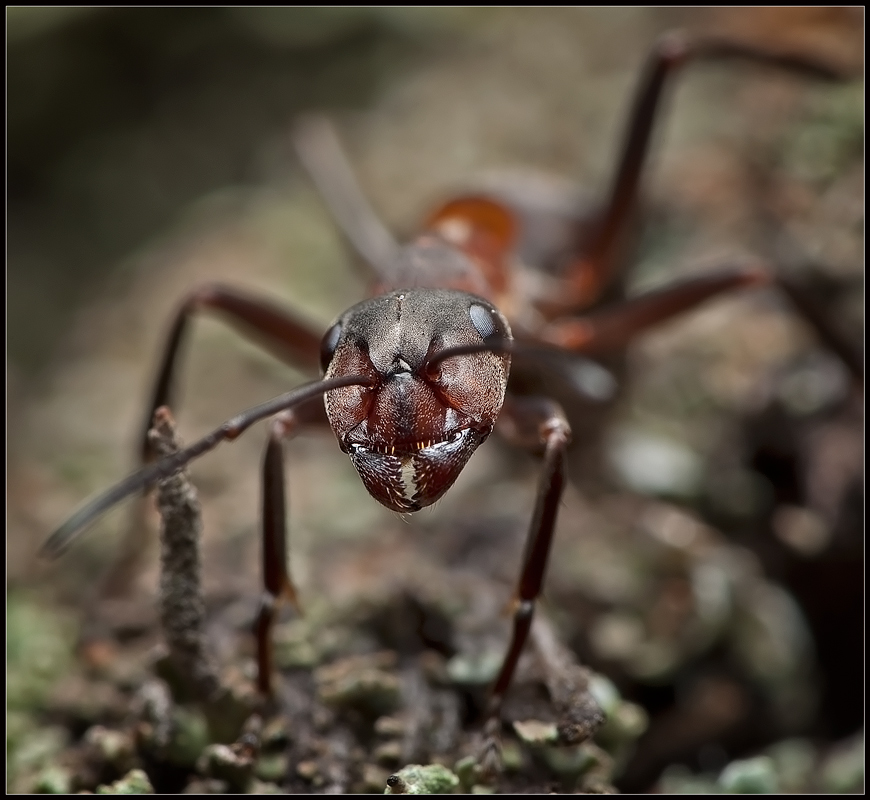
{"type": "Point", "coordinates": [322, 156]}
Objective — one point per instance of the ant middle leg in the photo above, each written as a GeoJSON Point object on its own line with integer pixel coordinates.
{"type": "Point", "coordinates": [277, 584]}
{"type": "Point", "coordinates": [614, 327]}
{"type": "Point", "coordinates": [533, 422]}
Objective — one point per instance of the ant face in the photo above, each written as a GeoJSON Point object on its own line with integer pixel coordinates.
{"type": "Point", "coordinates": [410, 434]}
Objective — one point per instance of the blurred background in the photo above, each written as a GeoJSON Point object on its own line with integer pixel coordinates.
{"type": "Point", "coordinates": [148, 151]}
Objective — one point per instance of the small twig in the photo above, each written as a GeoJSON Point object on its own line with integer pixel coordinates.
{"type": "Point", "coordinates": [567, 683]}
{"type": "Point", "coordinates": [182, 608]}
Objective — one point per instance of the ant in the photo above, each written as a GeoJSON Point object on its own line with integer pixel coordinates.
{"type": "Point", "coordinates": [415, 378]}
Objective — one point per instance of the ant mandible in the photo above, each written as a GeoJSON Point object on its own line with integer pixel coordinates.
{"type": "Point", "coordinates": [416, 376]}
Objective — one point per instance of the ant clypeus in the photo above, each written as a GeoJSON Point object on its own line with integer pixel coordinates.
{"type": "Point", "coordinates": [416, 376]}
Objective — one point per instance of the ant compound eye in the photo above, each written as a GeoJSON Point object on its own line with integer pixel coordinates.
{"type": "Point", "coordinates": [328, 345]}
{"type": "Point", "coordinates": [487, 322]}
{"type": "Point", "coordinates": [481, 318]}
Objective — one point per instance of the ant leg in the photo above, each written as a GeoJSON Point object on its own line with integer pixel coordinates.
{"type": "Point", "coordinates": [277, 585]}
{"type": "Point", "coordinates": [614, 327]}
{"type": "Point", "coordinates": [285, 336]}
{"type": "Point", "coordinates": [533, 422]}
{"type": "Point", "coordinates": [599, 262]}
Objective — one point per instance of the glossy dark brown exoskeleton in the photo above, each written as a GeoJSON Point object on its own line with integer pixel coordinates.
{"type": "Point", "coordinates": [416, 377]}
{"type": "Point", "coordinates": [411, 433]}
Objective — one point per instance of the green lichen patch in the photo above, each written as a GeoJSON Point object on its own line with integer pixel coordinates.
{"type": "Point", "coordinates": [134, 782]}
{"type": "Point", "coordinates": [366, 683]}
{"type": "Point", "coordinates": [419, 779]}
{"type": "Point", "coordinates": [750, 776]}
{"type": "Point", "coordinates": [39, 650]}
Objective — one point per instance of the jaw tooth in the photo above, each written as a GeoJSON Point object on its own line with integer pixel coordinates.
{"type": "Point", "coordinates": [408, 473]}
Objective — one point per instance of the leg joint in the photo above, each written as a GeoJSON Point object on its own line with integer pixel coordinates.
{"type": "Point", "coordinates": [203, 296]}
{"type": "Point", "coordinates": [556, 430]}
{"type": "Point", "coordinates": [524, 610]}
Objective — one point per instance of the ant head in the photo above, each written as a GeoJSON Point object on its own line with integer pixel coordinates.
{"type": "Point", "coordinates": [410, 433]}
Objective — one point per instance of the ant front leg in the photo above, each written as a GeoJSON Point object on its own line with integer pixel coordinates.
{"type": "Point", "coordinates": [533, 422]}
{"type": "Point", "coordinates": [285, 336]}
{"type": "Point", "coordinates": [289, 339]}
{"type": "Point", "coordinates": [277, 584]}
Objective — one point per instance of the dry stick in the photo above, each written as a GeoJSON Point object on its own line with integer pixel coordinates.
{"type": "Point", "coordinates": [182, 608]}
{"type": "Point", "coordinates": [580, 716]}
